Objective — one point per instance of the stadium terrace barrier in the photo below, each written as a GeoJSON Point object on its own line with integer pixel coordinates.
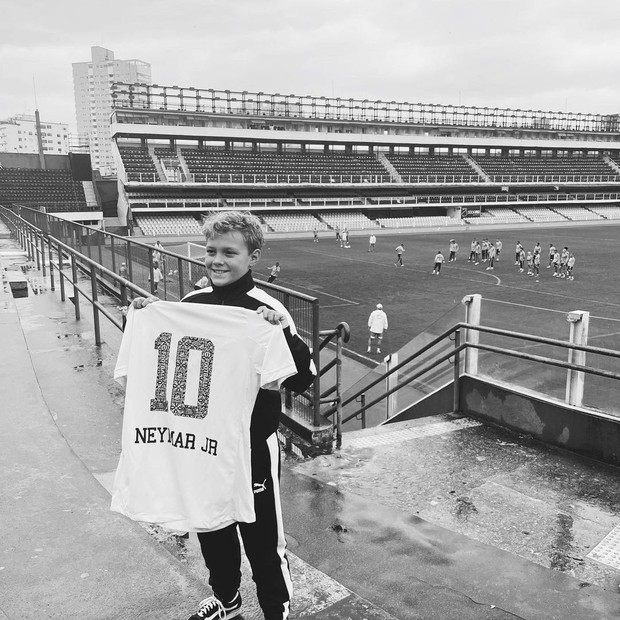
{"type": "Point", "coordinates": [124, 268]}
{"type": "Point", "coordinates": [323, 179]}
{"type": "Point", "coordinates": [566, 422]}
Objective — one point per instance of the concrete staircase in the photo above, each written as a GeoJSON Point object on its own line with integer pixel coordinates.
{"type": "Point", "coordinates": [387, 164]}
{"type": "Point", "coordinates": [477, 168]}
{"type": "Point", "coordinates": [89, 193]}
{"type": "Point", "coordinates": [156, 162]}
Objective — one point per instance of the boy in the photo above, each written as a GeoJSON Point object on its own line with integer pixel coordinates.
{"type": "Point", "coordinates": [399, 255]}
{"type": "Point", "coordinates": [377, 324]}
{"type": "Point", "coordinates": [498, 249]}
{"type": "Point", "coordinates": [563, 262]}
{"type": "Point", "coordinates": [158, 276]}
{"type": "Point", "coordinates": [234, 241]}
{"type": "Point", "coordinates": [530, 264]}
{"type": "Point", "coordinates": [556, 264]}
{"type": "Point", "coordinates": [439, 259]}
{"type": "Point", "coordinates": [521, 261]}
{"type": "Point", "coordinates": [275, 272]}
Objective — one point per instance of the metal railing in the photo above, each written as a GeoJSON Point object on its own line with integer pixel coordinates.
{"type": "Point", "coordinates": [455, 334]}
{"type": "Point", "coordinates": [99, 256]}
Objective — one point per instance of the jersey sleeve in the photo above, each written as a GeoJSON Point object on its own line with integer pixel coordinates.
{"type": "Point", "coordinates": [122, 360]}
{"type": "Point", "coordinates": [274, 361]}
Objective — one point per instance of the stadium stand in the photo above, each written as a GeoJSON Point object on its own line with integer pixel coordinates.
{"type": "Point", "coordinates": [220, 165]}
{"type": "Point", "coordinates": [582, 169]}
{"type": "Point", "coordinates": [162, 225]}
{"type": "Point", "coordinates": [138, 164]}
{"type": "Point", "coordinates": [505, 215]}
{"type": "Point", "coordinates": [433, 168]}
{"type": "Point", "coordinates": [293, 222]}
{"type": "Point", "coordinates": [577, 213]}
{"type": "Point", "coordinates": [54, 189]}
{"type": "Point", "coordinates": [352, 220]}
{"type": "Point", "coordinates": [540, 214]}
{"type": "Point", "coordinates": [609, 212]}
{"type": "Point", "coordinates": [416, 222]}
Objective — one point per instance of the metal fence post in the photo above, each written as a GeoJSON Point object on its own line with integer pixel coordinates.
{"type": "Point", "coordinates": [76, 293]}
{"type": "Point", "coordinates": [339, 389]}
{"type": "Point", "coordinates": [51, 258]}
{"type": "Point", "coordinates": [60, 274]}
{"type": "Point", "coordinates": [391, 382]}
{"type": "Point", "coordinates": [456, 399]}
{"type": "Point", "coordinates": [93, 286]}
{"type": "Point", "coordinates": [575, 379]}
{"type": "Point", "coordinates": [473, 305]}
{"type": "Point", "coordinates": [316, 393]}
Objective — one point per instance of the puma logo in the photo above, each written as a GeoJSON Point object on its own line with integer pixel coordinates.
{"type": "Point", "coordinates": [258, 487]}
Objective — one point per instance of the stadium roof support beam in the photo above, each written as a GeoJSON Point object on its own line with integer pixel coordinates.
{"type": "Point", "coordinates": [226, 102]}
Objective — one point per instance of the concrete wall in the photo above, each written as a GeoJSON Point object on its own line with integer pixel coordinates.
{"type": "Point", "coordinates": [31, 161]}
{"type": "Point", "coordinates": [592, 434]}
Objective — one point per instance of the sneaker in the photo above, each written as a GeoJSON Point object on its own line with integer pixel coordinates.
{"type": "Point", "coordinates": [214, 609]}
{"type": "Point", "coordinates": [368, 350]}
{"type": "Point", "coordinates": [548, 266]}
{"type": "Point", "coordinates": [378, 350]}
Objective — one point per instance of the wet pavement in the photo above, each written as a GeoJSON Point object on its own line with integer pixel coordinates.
{"type": "Point", "coordinates": [432, 519]}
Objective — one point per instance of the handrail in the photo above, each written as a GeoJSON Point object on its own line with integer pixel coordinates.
{"type": "Point", "coordinates": [484, 347]}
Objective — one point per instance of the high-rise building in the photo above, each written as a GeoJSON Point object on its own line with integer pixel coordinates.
{"type": "Point", "coordinates": [18, 134]}
{"type": "Point", "coordinates": [93, 100]}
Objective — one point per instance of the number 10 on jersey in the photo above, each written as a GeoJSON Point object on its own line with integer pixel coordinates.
{"type": "Point", "coordinates": [177, 404]}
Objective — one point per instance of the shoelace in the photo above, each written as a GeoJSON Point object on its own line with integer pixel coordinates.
{"type": "Point", "coordinates": [210, 605]}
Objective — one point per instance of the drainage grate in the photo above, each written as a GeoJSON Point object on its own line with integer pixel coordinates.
{"type": "Point", "coordinates": [416, 432]}
{"type": "Point", "coordinates": [608, 550]}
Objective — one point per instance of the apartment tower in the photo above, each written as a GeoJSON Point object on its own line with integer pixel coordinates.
{"type": "Point", "coordinates": [93, 100]}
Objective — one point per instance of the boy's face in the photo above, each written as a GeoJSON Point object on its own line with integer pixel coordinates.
{"type": "Point", "coordinates": [228, 258]}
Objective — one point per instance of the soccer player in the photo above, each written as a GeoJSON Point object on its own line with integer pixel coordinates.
{"type": "Point", "coordinates": [518, 249]}
{"type": "Point", "coordinates": [275, 272]}
{"type": "Point", "coordinates": [372, 242]}
{"type": "Point", "coordinates": [439, 260]}
{"type": "Point", "coordinates": [234, 241]}
{"type": "Point", "coordinates": [315, 236]}
{"type": "Point", "coordinates": [498, 249]}
{"type": "Point", "coordinates": [564, 261]}
{"type": "Point", "coordinates": [556, 264]}
{"type": "Point", "coordinates": [377, 324]}
{"type": "Point", "coordinates": [551, 255]}
{"type": "Point", "coordinates": [454, 248]}
{"type": "Point", "coordinates": [536, 264]}
{"type": "Point", "coordinates": [472, 252]}
{"type": "Point", "coordinates": [492, 254]}
{"type": "Point", "coordinates": [521, 261]}
{"type": "Point", "coordinates": [400, 249]}
{"type": "Point", "coordinates": [477, 253]}
{"type": "Point", "coordinates": [530, 264]}
{"type": "Point", "coordinates": [570, 265]}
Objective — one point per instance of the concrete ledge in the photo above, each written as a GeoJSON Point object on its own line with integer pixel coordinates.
{"type": "Point", "coordinates": [589, 433]}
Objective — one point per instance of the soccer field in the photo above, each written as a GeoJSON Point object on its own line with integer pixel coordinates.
{"type": "Point", "coordinates": [349, 282]}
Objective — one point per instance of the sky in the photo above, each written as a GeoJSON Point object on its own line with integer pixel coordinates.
{"type": "Point", "coordinates": [558, 55]}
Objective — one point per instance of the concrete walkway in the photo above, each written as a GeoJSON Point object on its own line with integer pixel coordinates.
{"type": "Point", "coordinates": [438, 519]}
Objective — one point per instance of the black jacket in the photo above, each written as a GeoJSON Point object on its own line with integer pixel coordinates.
{"type": "Point", "coordinates": [244, 294]}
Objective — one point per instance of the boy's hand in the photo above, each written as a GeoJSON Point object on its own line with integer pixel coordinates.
{"type": "Point", "coordinates": [143, 302]}
{"type": "Point", "coordinates": [275, 318]}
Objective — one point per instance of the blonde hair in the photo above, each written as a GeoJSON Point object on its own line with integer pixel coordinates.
{"type": "Point", "coordinates": [243, 222]}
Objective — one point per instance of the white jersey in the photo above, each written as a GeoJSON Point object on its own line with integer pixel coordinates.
{"type": "Point", "coordinates": [192, 375]}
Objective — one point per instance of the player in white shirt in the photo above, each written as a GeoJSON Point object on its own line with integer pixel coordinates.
{"type": "Point", "coordinates": [234, 241]}
{"type": "Point", "coordinates": [377, 324]}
